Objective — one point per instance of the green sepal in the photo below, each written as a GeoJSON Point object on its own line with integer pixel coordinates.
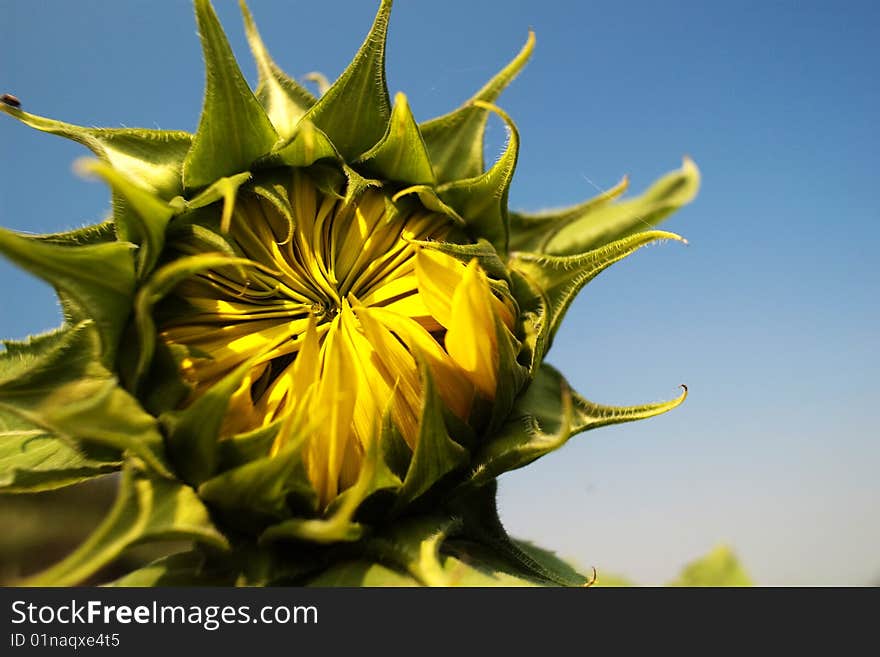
{"type": "Point", "coordinates": [482, 200]}
{"type": "Point", "coordinates": [284, 100]}
{"type": "Point", "coordinates": [152, 157]}
{"type": "Point", "coordinates": [544, 417]}
{"type": "Point", "coordinates": [436, 454]}
{"type": "Point", "coordinates": [401, 154]}
{"type": "Point", "coordinates": [531, 231]}
{"type": "Point", "coordinates": [355, 110]}
{"type": "Point", "coordinates": [145, 510]}
{"type": "Point", "coordinates": [560, 278]}
{"type": "Point", "coordinates": [55, 383]}
{"type": "Point", "coordinates": [234, 130]}
{"type": "Point", "coordinates": [308, 144]}
{"type": "Point", "coordinates": [613, 221]}
{"type": "Point", "coordinates": [146, 223]}
{"type": "Point", "coordinates": [455, 140]}
{"type": "Point", "coordinates": [181, 569]}
{"type": "Point", "coordinates": [96, 279]}
{"type": "Point", "coordinates": [33, 460]}
{"type": "Point", "coordinates": [265, 486]}
{"type": "Point", "coordinates": [243, 448]}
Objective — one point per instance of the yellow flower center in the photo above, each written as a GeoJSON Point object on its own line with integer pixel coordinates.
{"type": "Point", "coordinates": [333, 323]}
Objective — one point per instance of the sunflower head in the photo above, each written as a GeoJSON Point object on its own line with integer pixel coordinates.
{"type": "Point", "coordinates": [315, 322]}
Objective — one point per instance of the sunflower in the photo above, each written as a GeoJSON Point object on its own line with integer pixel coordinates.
{"type": "Point", "coordinates": [311, 335]}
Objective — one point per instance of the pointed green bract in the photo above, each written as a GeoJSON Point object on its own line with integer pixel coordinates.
{"type": "Point", "coordinates": [401, 153]}
{"type": "Point", "coordinates": [436, 454]}
{"type": "Point", "coordinates": [613, 221]}
{"type": "Point", "coordinates": [455, 140]}
{"type": "Point", "coordinates": [150, 214]}
{"type": "Point", "coordinates": [234, 130]}
{"type": "Point", "coordinates": [482, 200]}
{"type": "Point", "coordinates": [560, 278]}
{"type": "Point", "coordinates": [145, 509]}
{"type": "Point", "coordinates": [263, 486]}
{"type": "Point", "coordinates": [284, 100]}
{"type": "Point", "coordinates": [98, 278]}
{"type": "Point", "coordinates": [530, 232]}
{"type": "Point", "coordinates": [192, 432]}
{"type": "Point", "coordinates": [355, 110]}
{"type": "Point", "coordinates": [545, 417]}
{"type": "Point", "coordinates": [153, 157]}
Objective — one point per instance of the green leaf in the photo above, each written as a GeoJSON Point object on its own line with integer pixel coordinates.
{"type": "Point", "coordinates": [284, 100]}
{"type": "Point", "coordinates": [355, 110]}
{"type": "Point", "coordinates": [455, 140]}
{"type": "Point", "coordinates": [98, 278]}
{"type": "Point", "coordinates": [718, 568]}
{"type": "Point", "coordinates": [181, 569]}
{"type": "Point", "coordinates": [607, 222]}
{"type": "Point", "coordinates": [436, 454]}
{"type": "Point", "coordinates": [146, 223]}
{"type": "Point", "coordinates": [560, 278]}
{"type": "Point", "coordinates": [55, 383]}
{"type": "Point", "coordinates": [33, 460]}
{"type": "Point", "coordinates": [153, 158]}
{"type": "Point", "coordinates": [544, 417]}
{"type": "Point", "coordinates": [145, 510]}
{"type": "Point", "coordinates": [234, 130]}
{"type": "Point", "coordinates": [482, 200]}
{"type": "Point", "coordinates": [401, 154]}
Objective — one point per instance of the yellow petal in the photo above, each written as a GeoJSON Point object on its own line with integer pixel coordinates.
{"type": "Point", "coordinates": [470, 336]}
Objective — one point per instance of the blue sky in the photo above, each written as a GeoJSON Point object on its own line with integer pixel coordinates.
{"type": "Point", "coordinates": [769, 315]}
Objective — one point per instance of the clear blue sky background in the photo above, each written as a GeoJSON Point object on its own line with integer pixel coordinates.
{"type": "Point", "coordinates": [770, 315]}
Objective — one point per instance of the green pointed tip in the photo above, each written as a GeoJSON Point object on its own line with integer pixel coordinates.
{"type": "Point", "coordinates": [234, 129]}
{"type": "Point", "coordinates": [455, 140]}
{"type": "Point", "coordinates": [355, 110]}
{"type": "Point", "coordinates": [284, 100]}
{"type": "Point", "coordinates": [401, 154]}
